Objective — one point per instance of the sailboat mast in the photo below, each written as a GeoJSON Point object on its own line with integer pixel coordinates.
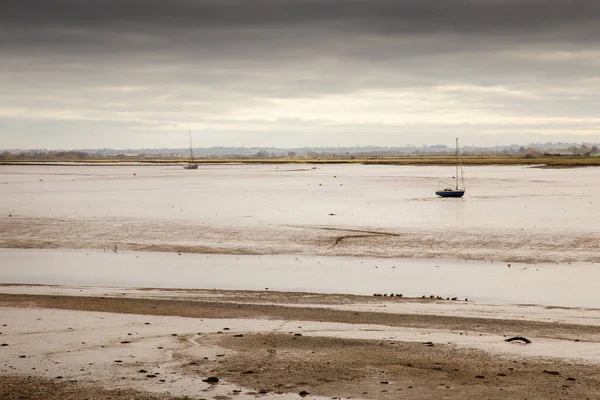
{"type": "Point", "coordinates": [456, 164]}
{"type": "Point", "coordinates": [191, 150]}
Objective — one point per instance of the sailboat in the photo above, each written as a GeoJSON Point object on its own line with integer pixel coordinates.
{"type": "Point", "coordinates": [192, 164]}
{"type": "Point", "coordinates": [454, 190]}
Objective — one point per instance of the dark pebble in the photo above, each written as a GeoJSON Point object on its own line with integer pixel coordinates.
{"type": "Point", "coordinates": [211, 379]}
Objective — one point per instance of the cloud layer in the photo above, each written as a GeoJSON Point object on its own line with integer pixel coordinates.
{"type": "Point", "coordinates": [133, 73]}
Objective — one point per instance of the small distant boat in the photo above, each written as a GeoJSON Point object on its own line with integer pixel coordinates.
{"type": "Point", "coordinates": [192, 164]}
{"type": "Point", "coordinates": [454, 190]}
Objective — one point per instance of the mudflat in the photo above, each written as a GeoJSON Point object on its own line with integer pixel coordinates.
{"type": "Point", "coordinates": [281, 349]}
{"type": "Point", "coordinates": [130, 265]}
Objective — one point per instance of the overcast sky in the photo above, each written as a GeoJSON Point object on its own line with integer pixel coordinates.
{"type": "Point", "coordinates": [289, 73]}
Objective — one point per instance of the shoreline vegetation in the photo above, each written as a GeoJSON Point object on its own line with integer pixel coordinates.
{"type": "Point", "coordinates": [536, 161]}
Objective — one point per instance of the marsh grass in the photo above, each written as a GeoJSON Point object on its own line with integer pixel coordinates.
{"type": "Point", "coordinates": [542, 161]}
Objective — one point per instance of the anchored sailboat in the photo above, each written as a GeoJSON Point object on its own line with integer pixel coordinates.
{"type": "Point", "coordinates": [454, 190]}
{"type": "Point", "coordinates": [191, 164]}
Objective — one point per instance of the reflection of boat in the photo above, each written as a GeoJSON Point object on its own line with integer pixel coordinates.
{"type": "Point", "coordinates": [191, 164]}
{"type": "Point", "coordinates": [454, 190]}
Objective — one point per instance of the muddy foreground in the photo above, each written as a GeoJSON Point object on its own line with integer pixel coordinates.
{"type": "Point", "coordinates": [111, 347]}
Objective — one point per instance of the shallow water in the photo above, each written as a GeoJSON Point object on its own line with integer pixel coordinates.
{"type": "Point", "coordinates": [547, 284]}
{"type": "Point", "coordinates": [497, 199]}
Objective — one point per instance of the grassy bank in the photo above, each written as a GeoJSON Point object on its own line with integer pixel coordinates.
{"type": "Point", "coordinates": [542, 161]}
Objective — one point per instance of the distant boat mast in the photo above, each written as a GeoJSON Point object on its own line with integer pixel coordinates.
{"type": "Point", "coordinates": [456, 164]}
{"type": "Point", "coordinates": [192, 150]}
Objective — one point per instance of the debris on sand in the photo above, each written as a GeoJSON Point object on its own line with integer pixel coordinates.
{"type": "Point", "coordinates": [303, 393]}
{"type": "Point", "coordinates": [211, 379]}
{"type": "Point", "coordinates": [551, 372]}
{"type": "Point", "coordinates": [521, 338]}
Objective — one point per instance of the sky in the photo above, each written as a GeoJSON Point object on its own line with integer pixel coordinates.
{"type": "Point", "coordinates": [294, 73]}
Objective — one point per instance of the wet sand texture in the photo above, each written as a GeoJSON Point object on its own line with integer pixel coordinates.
{"type": "Point", "coordinates": [280, 359]}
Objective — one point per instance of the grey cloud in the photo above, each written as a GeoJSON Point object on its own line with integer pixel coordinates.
{"type": "Point", "coordinates": [136, 25]}
{"type": "Point", "coordinates": [374, 15]}
{"type": "Point", "coordinates": [203, 60]}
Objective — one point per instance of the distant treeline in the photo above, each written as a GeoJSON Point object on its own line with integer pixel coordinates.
{"type": "Point", "coordinates": [50, 155]}
{"type": "Point", "coordinates": [584, 150]}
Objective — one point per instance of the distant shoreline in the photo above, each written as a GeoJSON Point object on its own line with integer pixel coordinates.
{"type": "Point", "coordinates": [542, 162]}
